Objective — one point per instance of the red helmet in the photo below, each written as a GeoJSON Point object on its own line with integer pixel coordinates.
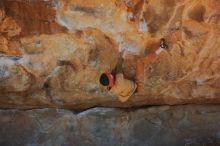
{"type": "Point", "coordinates": [106, 79]}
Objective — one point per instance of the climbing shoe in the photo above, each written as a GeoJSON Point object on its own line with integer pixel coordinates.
{"type": "Point", "coordinates": [163, 44]}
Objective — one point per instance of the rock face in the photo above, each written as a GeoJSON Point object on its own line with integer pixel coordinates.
{"type": "Point", "coordinates": [53, 52]}
{"type": "Point", "coordinates": [155, 126]}
{"type": "Point", "coordinates": [33, 16]}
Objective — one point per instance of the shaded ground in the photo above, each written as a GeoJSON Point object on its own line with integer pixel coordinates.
{"type": "Point", "coordinates": [189, 125]}
{"type": "Point", "coordinates": [53, 52]}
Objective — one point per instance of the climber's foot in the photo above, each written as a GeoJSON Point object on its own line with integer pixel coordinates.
{"type": "Point", "coordinates": [163, 44]}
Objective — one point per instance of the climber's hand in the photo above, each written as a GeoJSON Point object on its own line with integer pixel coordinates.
{"type": "Point", "coordinates": [127, 54]}
{"type": "Point", "coordinates": [121, 54]}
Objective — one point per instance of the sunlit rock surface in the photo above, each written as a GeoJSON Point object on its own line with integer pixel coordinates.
{"type": "Point", "coordinates": [52, 52]}
{"type": "Point", "coordinates": [155, 126]}
{"type": "Point", "coordinates": [33, 16]}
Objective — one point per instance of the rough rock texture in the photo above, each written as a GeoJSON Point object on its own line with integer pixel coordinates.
{"type": "Point", "coordinates": [155, 126]}
{"type": "Point", "coordinates": [43, 64]}
{"type": "Point", "coordinates": [33, 16]}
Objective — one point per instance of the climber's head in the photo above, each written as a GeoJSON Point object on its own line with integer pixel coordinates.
{"type": "Point", "coordinates": [106, 79]}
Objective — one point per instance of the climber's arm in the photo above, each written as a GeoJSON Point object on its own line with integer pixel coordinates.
{"type": "Point", "coordinates": [140, 70]}
{"type": "Point", "coordinates": [120, 63]}
{"type": "Point", "coordinates": [150, 57]}
{"type": "Point", "coordinates": [118, 67]}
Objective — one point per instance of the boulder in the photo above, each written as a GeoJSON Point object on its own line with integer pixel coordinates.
{"type": "Point", "coordinates": [191, 125]}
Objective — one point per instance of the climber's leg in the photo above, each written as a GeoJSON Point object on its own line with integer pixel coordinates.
{"type": "Point", "coordinates": [140, 70]}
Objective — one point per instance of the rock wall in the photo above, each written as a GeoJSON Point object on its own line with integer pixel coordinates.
{"type": "Point", "coordinates": [155, 126]}
{"type": "Point", "coordinates": [52, 52]}
{"type": "Point", "coordinates": [34, 17]}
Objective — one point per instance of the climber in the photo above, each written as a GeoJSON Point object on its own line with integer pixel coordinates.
{"type": "Point", "coordinates": [116, 83]}
{"type": "Point", "coordinates": [124, 88]}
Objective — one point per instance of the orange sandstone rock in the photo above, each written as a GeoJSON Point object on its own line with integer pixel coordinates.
{"type": "Point", "coordinates": [65, 67]}
{"type": "Point", "coordinates": [2, 15]}
{"type": "Point", "coordinates": [10, 27]}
